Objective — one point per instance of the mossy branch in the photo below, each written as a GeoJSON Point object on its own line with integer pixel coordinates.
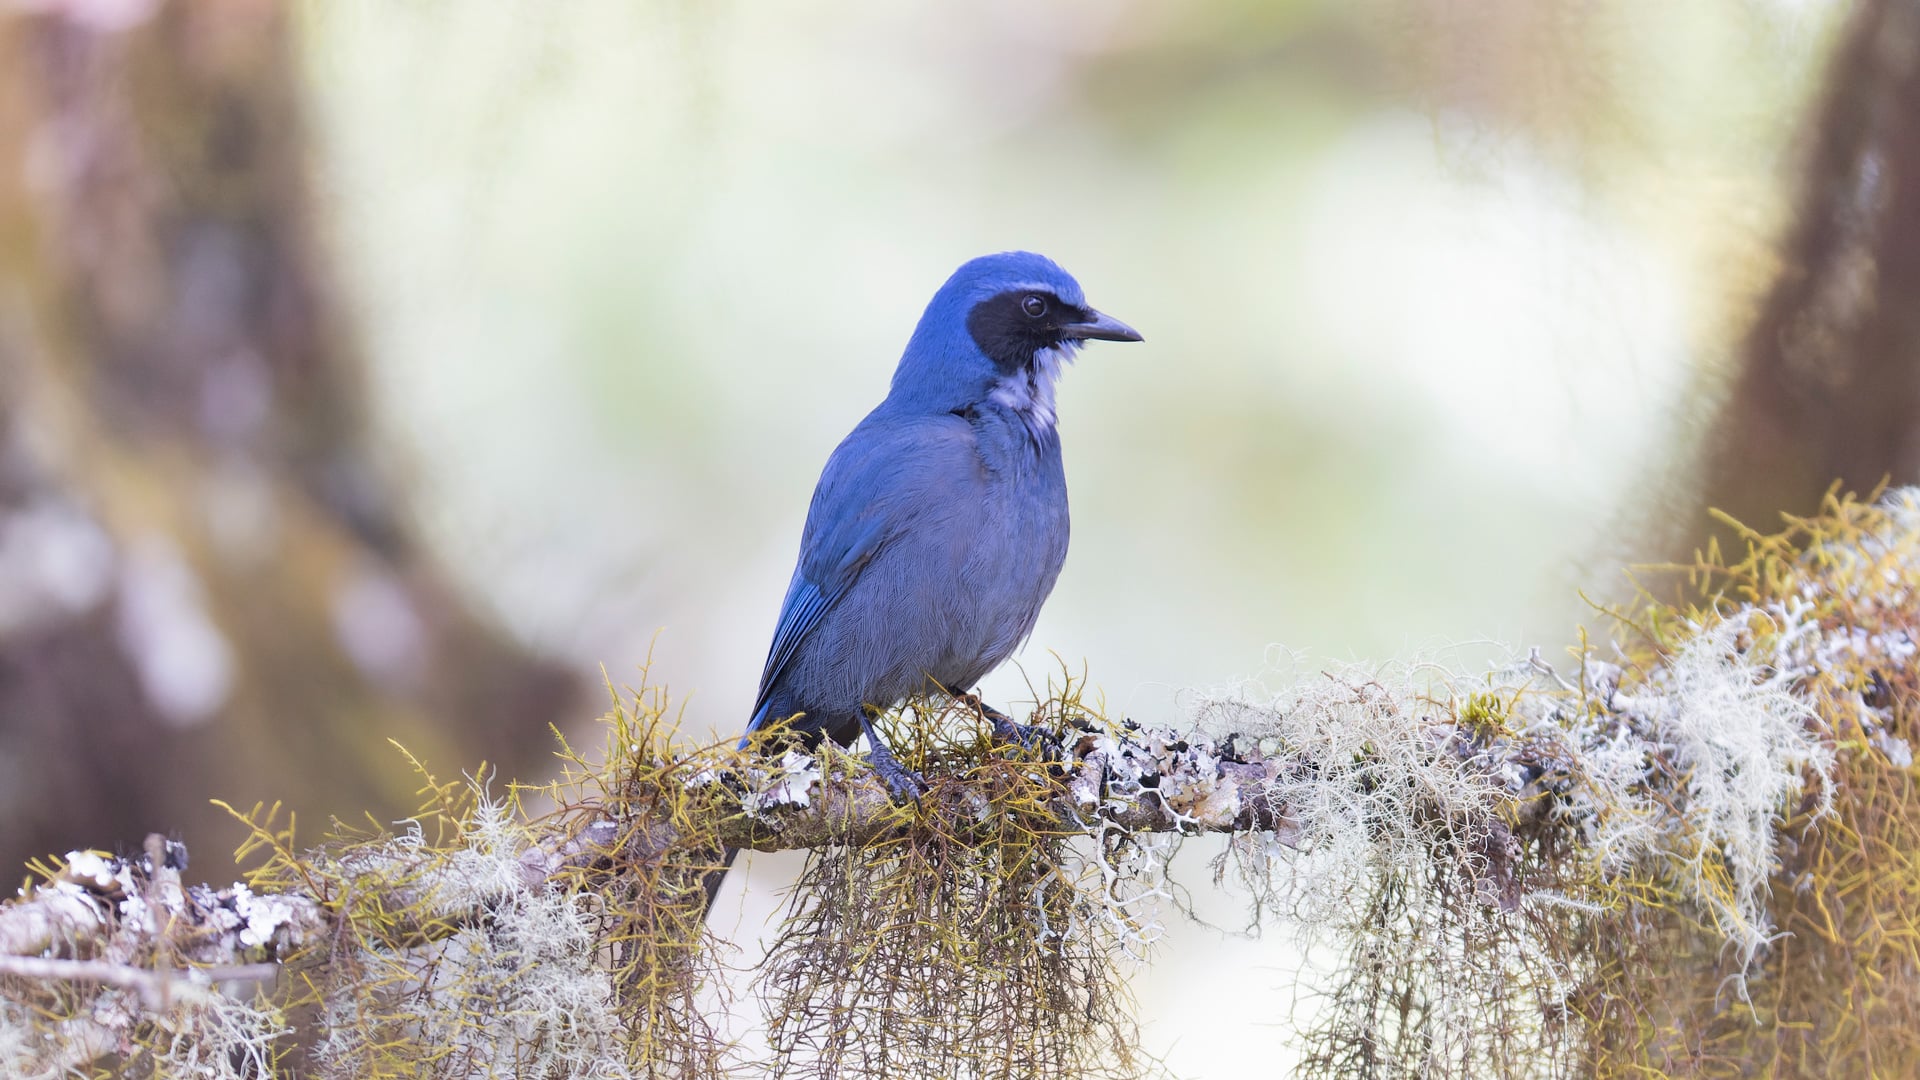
{"type": "Point", "coordinates": [1138, 779]}
{"type": "Point", "coordinates": [1525, 871]}
{"type": "Point", "coordinates": [131, 923]}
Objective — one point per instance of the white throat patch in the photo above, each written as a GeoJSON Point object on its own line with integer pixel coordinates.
{"type": "Point", "coordinates": [1029, 391]}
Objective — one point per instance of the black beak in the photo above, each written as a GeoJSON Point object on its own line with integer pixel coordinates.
{"type": "Point", "coordinates": [1098, 327]}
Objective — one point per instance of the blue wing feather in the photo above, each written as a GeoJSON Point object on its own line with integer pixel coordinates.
{"type": "Point", "coordinates": [854, 513]}
{"type": "Point", "coordinates": [802, 610]}
{"type": "Point", "coordinates": [833, 549]}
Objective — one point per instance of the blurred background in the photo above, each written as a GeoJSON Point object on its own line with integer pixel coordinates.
{"type": "Point", "coordinates": [390, 370]}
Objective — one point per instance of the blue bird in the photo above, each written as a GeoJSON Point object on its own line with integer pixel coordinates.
{"type": "Point", "coordinates": [940, 523]}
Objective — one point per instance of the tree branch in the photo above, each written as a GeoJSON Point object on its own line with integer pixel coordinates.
{"type": "Point", "coordinates": [1143, 780]}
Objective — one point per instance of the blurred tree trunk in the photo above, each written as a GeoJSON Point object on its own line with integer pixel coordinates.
{"type": "Point", "coordinates": [1827, 383]}
{"type": "Point", "coordinates": [207, 589]}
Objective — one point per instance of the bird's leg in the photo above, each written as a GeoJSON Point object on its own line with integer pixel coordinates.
{"type": "Point", "coordinates": [1028, 736]}
{"type": "Point", "coordinates": [905, 784]}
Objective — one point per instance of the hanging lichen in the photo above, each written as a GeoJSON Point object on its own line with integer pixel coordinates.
{"type": "Point", "coordinates": [1688, 853]}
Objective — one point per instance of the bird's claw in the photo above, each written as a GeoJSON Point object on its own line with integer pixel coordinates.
{"type": "Point", "coordinates": [1029, 737]}
{"type": "Point", "coordinates": [905, 784]}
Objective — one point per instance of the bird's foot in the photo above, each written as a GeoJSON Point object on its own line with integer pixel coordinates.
{"type": "Point", "coordinates": [1033, 737]}
{"type": "Point", "coordinates": [1028, 736]}
{"type": "Point", "coordinates": [905, 784]}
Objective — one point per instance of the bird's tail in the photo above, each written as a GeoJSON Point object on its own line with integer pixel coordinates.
{"type": "Point", "coordinates": [710, 881]}
{"type": "Point", "coordinates": [760, 716]}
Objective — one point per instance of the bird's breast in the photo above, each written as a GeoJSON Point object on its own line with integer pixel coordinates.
{"type": "Point", "coordinates": [1016, 546]}
{"type": "Point", "coordinates": [953, 594]}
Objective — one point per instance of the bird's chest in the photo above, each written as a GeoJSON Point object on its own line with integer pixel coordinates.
{"type": "Point", "coordinates": [1021, 536]}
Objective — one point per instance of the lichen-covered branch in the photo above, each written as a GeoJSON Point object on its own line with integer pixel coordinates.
{"type": "Point", "coordinates": [1535, 870]}
{"type": "Point", "coordinates": [1139, 779]}
{"type": "Point", "coordinates": [167, 941]}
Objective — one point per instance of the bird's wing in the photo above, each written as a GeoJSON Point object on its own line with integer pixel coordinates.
{"type": "Point", "coordinates": [863, 500]}
{"type": "Point", "coordinates": [807, 600]}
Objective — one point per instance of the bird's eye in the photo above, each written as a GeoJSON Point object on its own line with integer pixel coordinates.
{"type": "Point", "coordinates": [1034, 306]}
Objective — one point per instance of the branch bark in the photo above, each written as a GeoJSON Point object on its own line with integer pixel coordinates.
{"type": "Point", "coordinates": [101, 911]}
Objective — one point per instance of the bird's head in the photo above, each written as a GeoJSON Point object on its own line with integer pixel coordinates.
{"type": "Point", "coordinates": [999, 330]}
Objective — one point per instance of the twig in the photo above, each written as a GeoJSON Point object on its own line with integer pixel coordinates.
{"type": "Point", "coordinates": [157, 988]}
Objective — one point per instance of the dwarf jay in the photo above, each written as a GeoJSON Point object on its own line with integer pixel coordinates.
{"type": "Point", "coordinates": [940, 523]}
